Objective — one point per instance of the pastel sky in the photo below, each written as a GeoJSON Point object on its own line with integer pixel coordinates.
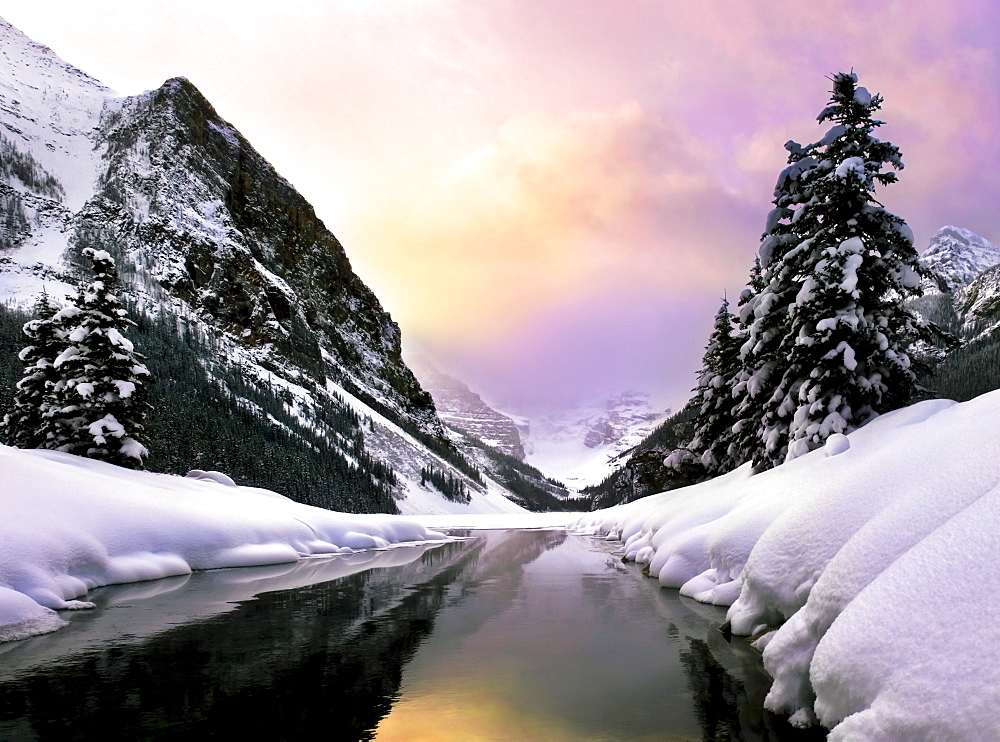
{"type": "Point", "coordinates": [552, 196]}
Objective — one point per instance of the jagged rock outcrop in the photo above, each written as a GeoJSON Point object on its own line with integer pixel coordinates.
{"type": "Point", "coordinates": [241, 247]}
{"type": "Point", "coordinates": [980, 301]}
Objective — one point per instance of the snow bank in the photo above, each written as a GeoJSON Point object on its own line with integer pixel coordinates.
{"type": "Point", "coordinates": [71, 524]}
{"type": "Point", "coordinates": [864, 566]}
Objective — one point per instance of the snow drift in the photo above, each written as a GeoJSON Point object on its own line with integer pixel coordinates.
{"type": "Point", "coordinates": [864, 568]}
{"type": "Point", "coordinates": [71, 524]}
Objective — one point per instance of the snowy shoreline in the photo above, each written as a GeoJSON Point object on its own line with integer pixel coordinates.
{"type": "Point", "coordinates": [72, 524]}
{"type": "Point", "coordinates": [865, 566]}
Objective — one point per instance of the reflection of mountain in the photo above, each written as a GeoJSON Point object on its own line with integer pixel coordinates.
{"type": "Point", "coordinates": [323, 658]}
{"type": "Point", "coordinates": [330, 658]}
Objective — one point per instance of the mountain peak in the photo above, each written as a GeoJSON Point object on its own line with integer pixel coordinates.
{"type": "Point", "coordinates": [34, 62]}
{"type": "Point", "coordinates": [231, 265]}
{"type": "Point", "coordinates": [957, 256]}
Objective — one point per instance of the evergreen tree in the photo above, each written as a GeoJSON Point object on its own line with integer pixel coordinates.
{"type": "Point", "coordinates": [764, 317]}
{"type": "Point", "coordinates": [714, 420]}
{"type": "Point", "coordinates": [23, 426]}
{"type": "Point", "coordinates": [99, 401]}
{"type": "Point", "coordinates": [744, 439]}
{"type": "Point", "coordinates": [829, 337]}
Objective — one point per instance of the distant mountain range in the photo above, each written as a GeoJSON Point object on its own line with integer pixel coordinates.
{"type": "Point", "coordinates": [461, 408]}
{"type": "Point", "coordinates": [578, 447]}
{"type": "Point", "coordinates": [583, 445]}
{"type": "Point", "coordinates": [956, 257]}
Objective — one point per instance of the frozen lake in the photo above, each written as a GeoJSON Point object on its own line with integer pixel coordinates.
{"type": "Point", "coordinates": [524, 635]}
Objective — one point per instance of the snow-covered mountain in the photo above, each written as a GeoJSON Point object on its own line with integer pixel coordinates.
{"type": "Point", "coordinates": [579, 447]}
{"type": "Point", "coordinates": [461, 408]}
{"type": "Point", "coordinates": [957, 256]}
{"type": "Point", "coordinates": [212, 241]}
{"type": "Point", "coordinates": [963, 291]}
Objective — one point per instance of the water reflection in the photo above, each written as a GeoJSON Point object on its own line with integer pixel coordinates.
{"type": "Point", "coordinates": [507, 635]}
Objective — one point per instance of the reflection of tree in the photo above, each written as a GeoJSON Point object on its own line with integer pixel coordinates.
{"type": "Point", "coordinates": [326, 658]}
{"type": "Point", "coordinates": [729, 709]}
{"type": "Point", "coordinates": [727, 679]}
{"type": "Point", "coordinates": [716, 693]}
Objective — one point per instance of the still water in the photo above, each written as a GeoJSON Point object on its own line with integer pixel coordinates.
{"type": "Point", "coordinates": [504, 635]}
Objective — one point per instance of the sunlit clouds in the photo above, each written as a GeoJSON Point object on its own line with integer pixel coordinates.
{"type": "Point", "coordinates": [553, 207]}
{"type": "Point", "coordinates": [512, 175]}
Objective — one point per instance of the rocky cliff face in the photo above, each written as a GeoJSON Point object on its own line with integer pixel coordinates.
{"type": "Point", "coordinates": [979, 302]}
{"type": "Point", "coordinates": [463, 409]}
{"type": "Point", "coordinates": [208, 236]}
{"type": "Point", "coordinates": [206, 219]}
{"type": "Point", "coordinates": [961, 292]}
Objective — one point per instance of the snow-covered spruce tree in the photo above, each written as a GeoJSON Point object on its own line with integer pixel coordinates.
{"type": "Point", "coordinates": [99, 401]}
{"type": "Point", "coordinates": [23, 425]}
{"type": "Point", "coordinates": [830, 336]}
{"type": "Point", "coordinates": [744, 439]}
{"type": "Point", "coordinates": [764, 319]}
{"type": "Point", "coordinates": [713, 397]}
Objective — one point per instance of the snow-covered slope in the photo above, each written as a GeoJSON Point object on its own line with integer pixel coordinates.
{"type": "Point", "coordinates": [208, 237]}
{"type": "Point", "coordinates": [51, 109]}
{"type": "Point", "coordinates": [957, 256]}
{"type": "Point", "coordinates": [862, 566]}
{"type": "Point", "coordinates": [578, 447]}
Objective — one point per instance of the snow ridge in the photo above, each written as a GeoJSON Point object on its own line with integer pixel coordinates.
{"type": "Point", "coordinates": [72, 524]}
{"type": "Point", "coordinates": [53, 108]}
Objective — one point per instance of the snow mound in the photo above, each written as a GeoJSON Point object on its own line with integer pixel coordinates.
{"type": "Point", "coordinates": [21, 617]}
{"type": "Point", "coordinates": [863, 566]}
{"type": "Point", "coordinates": [211, 476]}
{"type": "Point", "coordinates": [72, 524]}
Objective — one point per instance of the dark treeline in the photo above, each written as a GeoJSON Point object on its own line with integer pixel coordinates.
{"type": "Point", "coordinates": [968, 371]}
{"type": "Point", "coordinates": [21, 165]}
{"type": "Point", "coordinates": [11, 342]}
{"type": "Point", "coordinates": [643, 472]}
{"type": "Point", "coordinates": [532, 489]}
{"type": "Point", "coordinates": [447, 484]}
{"type": "Point", "coordinates": [229, 421]}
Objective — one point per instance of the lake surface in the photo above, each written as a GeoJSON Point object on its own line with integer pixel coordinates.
{"type": "Point", "coordinates": [505, 635]}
